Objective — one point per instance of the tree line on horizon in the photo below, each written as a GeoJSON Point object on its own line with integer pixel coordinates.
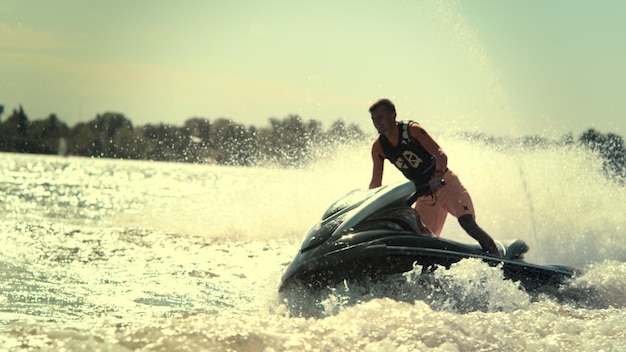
{"type": "Point", "coordinates": [287, 142]}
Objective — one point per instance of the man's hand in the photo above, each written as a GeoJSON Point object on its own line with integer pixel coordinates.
{"type": "Point", "coordinates": [436, 182]}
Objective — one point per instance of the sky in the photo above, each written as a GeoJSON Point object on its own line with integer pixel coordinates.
{"type": "Point", "coordinates": [498, 67]}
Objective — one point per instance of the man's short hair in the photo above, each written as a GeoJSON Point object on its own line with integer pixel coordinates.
{"type": "Point", "coordinates": [383, 102]}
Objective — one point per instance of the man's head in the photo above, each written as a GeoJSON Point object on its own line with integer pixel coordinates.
{"type": "Point", "coordinates": [386, 103]}
{"type": "Point", "coordinates": [383, 115]}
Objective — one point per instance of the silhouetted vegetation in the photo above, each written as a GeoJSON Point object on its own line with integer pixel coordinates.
{"type": "Point", "coordinates": [609, 147]}
{"type": "Point", "coordinates": [287, 142]}
{"type": "Point", "coordinates": [290, 142]}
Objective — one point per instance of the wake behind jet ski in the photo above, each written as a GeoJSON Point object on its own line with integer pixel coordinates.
{"type": "Point", "coordinates": [374, 233]}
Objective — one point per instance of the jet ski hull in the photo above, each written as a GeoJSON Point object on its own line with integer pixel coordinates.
{"type": "Point", "coordinates": [379, 259]}
{"type": "Point", "coordinates": [373, 234]}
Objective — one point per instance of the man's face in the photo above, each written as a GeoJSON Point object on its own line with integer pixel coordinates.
{"type": "Point", "coordinates": [383, 119]}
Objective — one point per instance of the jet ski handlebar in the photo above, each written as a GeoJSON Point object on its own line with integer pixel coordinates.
{"type": "Point", "coordinates": [423, 189]}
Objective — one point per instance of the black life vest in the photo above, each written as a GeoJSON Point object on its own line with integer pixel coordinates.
{"type": "Point", "coordinates": [409, 156]}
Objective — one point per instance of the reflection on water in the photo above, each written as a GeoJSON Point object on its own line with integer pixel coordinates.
{"type": "Point", "coordinates": [121, 255]}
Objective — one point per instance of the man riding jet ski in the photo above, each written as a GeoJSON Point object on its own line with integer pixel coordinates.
{"type": "Point", "coordinates": [414, 152]}
{"type": "Point", "coordinates": [374, 233]}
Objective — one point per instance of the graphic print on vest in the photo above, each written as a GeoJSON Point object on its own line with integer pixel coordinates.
{"type": "Point", "coordinates": [408, 157]}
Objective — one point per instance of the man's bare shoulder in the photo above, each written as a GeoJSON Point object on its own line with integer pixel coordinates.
{"type": "Point", "coordinates": [416, 127]}
{"type": "Point", "coordinates": [377, 148]}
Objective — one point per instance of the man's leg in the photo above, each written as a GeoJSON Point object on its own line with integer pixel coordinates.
{"type": "Point", "coordinates": [456, 200]}
{"type": "Point", "coordinates": [471, 227]}
{"type": "Point", "coordinates": [430, 214]}
{"type": "Point", "coordinates": [425, 231]}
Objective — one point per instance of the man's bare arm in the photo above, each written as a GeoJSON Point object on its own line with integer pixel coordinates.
{"type": "Point", "coordinates": [378, 165]}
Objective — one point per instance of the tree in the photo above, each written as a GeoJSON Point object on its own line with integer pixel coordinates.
{"type": "Point", "coordinates": [17, 123]}
{"type": "Point", "coordinates": [232, 143]}
{"type": "Point", "coordinates": [45, 134]}
{"type": "Point", "coordinates": [13, 133]}
{"type": "Point", "coordinates": [105, 127]}
{"type": "Point", "coordinates": [339, 133]}
{"type": "Point", "coordinates": [610, 148]}
{"type": "Point", "coordinates": [199, 129]}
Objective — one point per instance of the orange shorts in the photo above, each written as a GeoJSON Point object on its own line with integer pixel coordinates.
{"type": "Point", "coordinates": [450, 198]}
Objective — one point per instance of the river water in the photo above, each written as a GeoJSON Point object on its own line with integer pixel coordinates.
{"type": "Point", "coordinates": [116, 255]}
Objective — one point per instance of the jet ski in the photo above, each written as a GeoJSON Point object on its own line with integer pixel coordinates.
{"type": "Point", "coordinates": [371, 234]}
